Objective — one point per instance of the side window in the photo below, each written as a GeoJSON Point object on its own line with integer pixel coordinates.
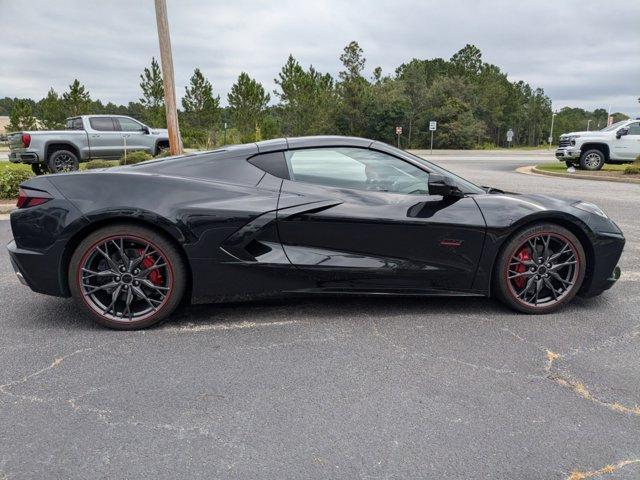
{"type": "Point", "coordinates": [102, 124]}
{"type": "Point", "coordinates": [634, 128]}
{"type": "Point", "coordinates": [75, 124]}
{"type": "Point", "coordinates": [128, 125]}
{"type": "Point", "coordinates": [356, 168]}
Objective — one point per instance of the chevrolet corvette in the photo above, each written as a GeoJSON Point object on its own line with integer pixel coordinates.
{"type": "Point", "coordinates": [310, 215]}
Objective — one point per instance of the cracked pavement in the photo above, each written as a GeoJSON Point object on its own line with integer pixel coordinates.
{"type": "Point", "coordinates": [334, 387]}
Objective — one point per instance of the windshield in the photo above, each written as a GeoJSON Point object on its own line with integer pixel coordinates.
{"type": "Point", "coordinates": [614, 126]}
{"type": "Point", "coordinates": [465, 185]}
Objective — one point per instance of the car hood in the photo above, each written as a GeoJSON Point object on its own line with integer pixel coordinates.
{"type": "Point", "coordinates": [592, 133]}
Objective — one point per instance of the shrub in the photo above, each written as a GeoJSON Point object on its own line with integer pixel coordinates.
{"type": "Point", "coordinates": [93, 164]}
{"type": "Point", "coordinates": [135, 157]}
{"type": "Point", "coordinates": [633, 169]}
{"type": "Point", "coordinates": [11, 176]}
{"type": "Point", "coordinates": [164, 153]}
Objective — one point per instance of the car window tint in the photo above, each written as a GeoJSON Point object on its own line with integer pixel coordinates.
{"type": "Point", "coordinates": [102, 124]}
{"type": "Point", "coordinates": [128, 125]}
{"type": "Point", "coordinates": [74, 124]}
{"type": "Point", "coordinates": [634, 128]}
{"type": "Point", "coordinates": [356, 168]}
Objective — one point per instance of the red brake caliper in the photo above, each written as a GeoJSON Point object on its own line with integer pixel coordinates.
{"type": "Point", "coordinates": [524, 256]}
{"type": "Point", "coordinates": [155, 276]}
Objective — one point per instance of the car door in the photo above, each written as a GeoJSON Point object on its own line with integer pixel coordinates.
{"type": "Point", "coordinates": [104, 139]}
{"type": "Point", "coordinates": [134, 134]}
{"type": "Point", "coordinates": [628, 145]}
{"type": "Point", "coordinates": [361, 219]}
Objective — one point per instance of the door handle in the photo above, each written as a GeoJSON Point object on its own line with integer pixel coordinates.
{"type": "Point", "coordinates": [95, 135]}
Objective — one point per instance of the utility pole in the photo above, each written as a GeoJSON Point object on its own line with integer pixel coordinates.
{"type": "Point", "coordinates": [553, 116]}
{"type": "Point", "coordinates": [588, 123]}
{"type": "Point", "coordinates": [166, 59]}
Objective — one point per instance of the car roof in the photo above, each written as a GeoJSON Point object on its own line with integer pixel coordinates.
{"type": "Point", "coordinates": [311, 142]}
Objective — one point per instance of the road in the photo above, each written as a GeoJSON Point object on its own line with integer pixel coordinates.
{"type": "Point", "coordinates": [348, 388]}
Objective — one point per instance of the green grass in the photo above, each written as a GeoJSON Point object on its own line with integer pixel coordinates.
{"type": "Point", "coordinates": [562, 168]}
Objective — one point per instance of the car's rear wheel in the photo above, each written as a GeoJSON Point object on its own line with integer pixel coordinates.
{"type": "Point", "coordinates": [540, 269]}
{"type": "Point", "coordinates": [127, 276]}
{"type": "Point", "coordinates": [38, 169]}
{"type": "Point", "coordinates": [592, 160]}
{"type": "Point", "coordinates": [63, 161]}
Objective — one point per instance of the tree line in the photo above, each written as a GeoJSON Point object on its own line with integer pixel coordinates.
{"type": "Point", "coordinates": [473, 102]}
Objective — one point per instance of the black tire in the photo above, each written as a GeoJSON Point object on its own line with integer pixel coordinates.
{"type": "Point", "coordinates": [62, 161]}
{"type": "Point", "coordinates": [592, 160]}
{"type": "Point", "coordinates": [38, 169]}
{"type": "Point", "coordinates": [506, 286]}
{"type": "Point", "coordinates": [173, 277]}
{"type": "Point", "coordinates": [161, 147]}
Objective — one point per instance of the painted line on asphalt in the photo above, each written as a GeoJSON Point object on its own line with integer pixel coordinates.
{"type": "Point", "coordinates": [195, 327]}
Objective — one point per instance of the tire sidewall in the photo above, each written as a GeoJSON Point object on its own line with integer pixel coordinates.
{"type": "Point", "coordinates": [583, 158]}
{"type": "Point", "coordinates": [52, 160]}
{"type": "Point", "coordinates": [166, 248]}
{"type": "Point", "coordinates": [502, 264]}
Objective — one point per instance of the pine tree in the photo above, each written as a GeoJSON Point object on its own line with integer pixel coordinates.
{"type": "Point", "coordinates": [52, 111]}
{"type": "Point", "coordinates": [306, 99]}
{"type": "Point", "coordinates": [152, 98]}
{"type": "Point", "coordinates": [247, 102]}
{"type": "Point", "coordinates": [202, 109]}
{"type": "Point", "coordinates": [77, 100]}
{"type": "Point", "coordinates": [354, 90]}
{"type": "Point", "coordinates": [21, 117]}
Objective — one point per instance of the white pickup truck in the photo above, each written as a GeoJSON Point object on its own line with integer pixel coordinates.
{"type": "Point", "coordinates": [617, 143]}
{"type": "Point", "coordinates": [86, 137]}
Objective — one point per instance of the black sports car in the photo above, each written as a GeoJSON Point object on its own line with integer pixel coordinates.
{"type": "Point", "coordinates": [300, 215]}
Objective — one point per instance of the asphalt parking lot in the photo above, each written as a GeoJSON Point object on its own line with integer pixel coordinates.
{"type": "Point", "coordinates": [366, 388]}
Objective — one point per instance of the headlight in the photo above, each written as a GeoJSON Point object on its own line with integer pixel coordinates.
{"type": "Point", "coordinates": [572, 139]}
{"type": "Point", "coordinates": [591, 208]}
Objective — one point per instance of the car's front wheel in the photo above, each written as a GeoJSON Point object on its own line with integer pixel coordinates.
{"type": "Point", "coordinates": [540, 269]}
{"type": "Point", "coordinates": [592, 160]}
{"type": "Point", "coordinates": [127, 276]}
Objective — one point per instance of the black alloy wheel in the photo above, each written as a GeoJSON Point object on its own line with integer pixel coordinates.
{"type": "Point", "coordinates": [540, 269]}
{"type": "Point", "coordinates": [127, 277]}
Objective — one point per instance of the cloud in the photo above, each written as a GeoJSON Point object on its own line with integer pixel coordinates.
{"type": "Point", "coordinates": [583, 53]}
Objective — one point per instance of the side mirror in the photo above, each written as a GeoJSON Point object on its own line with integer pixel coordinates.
{"type": "Point", "coordinates": [441, 185]}
{"type": "Point", "coordinates": [145, 129]}
{"type": "Point", "coordinates": [621, 132]}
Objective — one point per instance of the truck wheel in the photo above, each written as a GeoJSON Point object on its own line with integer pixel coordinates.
{"type": "Point", "coordinates": [62, 161]}
{"type": "Point", "coordinates": [38, 169]}
{"type": "Point", "coordinates": [592, 160]}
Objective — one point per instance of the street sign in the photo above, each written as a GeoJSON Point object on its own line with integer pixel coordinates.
{"type": "Point", "coordinates": [398, 130]}
{"type": "Point", "coordinates": [509, 135]}
{"type": "Point", "coordinates": [432, 125]}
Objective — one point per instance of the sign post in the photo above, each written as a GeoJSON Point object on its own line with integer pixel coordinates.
{"type": "Point", "coordinates": [398, 133]}
{"type": "Point", "coordinates": [432, 128]}
{"type": "Point", "coordinates": [509, 137]}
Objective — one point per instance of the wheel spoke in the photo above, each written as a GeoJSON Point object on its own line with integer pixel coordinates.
{"type": "Point", "coordinates": [558, 266]}
{"type": "Point", "coordinates": [114, 266]}
{"type": "Point", "coordinates": [96, 288]}
{"type": "Point", "coordinates": [101, 273]}
{"type": "Point", "coordinates": [114, 297]}
{"type": "Point", "coordinates": [121, 252]}
{"type": "Point", "coordinates": [551, 287]}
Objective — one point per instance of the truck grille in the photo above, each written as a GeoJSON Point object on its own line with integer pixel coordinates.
{"type": "Point", "coordinates": [564, 142]}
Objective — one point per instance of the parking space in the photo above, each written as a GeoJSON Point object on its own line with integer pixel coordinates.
{"type": "Point", "coordinates": [334, 387]}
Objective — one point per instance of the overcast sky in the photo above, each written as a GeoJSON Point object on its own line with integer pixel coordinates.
{"type": "Point", "coordinates": [583, 53]}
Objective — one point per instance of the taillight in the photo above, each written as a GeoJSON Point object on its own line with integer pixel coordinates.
{"type": "Point", "coordinates": [31, 198]}
{"type": "Point", "coordinates": [26, 140]}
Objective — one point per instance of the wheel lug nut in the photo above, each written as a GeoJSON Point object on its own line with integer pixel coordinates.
{"type": "Point", "coordinates": [136, 283]}
{"type": "Point", "coordinates": [117, 279]}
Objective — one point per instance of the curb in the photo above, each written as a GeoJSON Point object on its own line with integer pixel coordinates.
{"type": "Point", "coordinates": [605, 178]}
{"type": "Point", "coordinates": [7, 207]}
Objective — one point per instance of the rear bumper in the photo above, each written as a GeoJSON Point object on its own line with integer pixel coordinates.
{"type": "Point", "coordinates": [40, 271]}
{"type": "Point", "coordinates": [23, 157]}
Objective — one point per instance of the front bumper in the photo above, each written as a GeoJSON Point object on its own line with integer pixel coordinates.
{"type": "Point", "coordinates": [604, 269]}
{"type": "Point", "coordinates": [568, 154]}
